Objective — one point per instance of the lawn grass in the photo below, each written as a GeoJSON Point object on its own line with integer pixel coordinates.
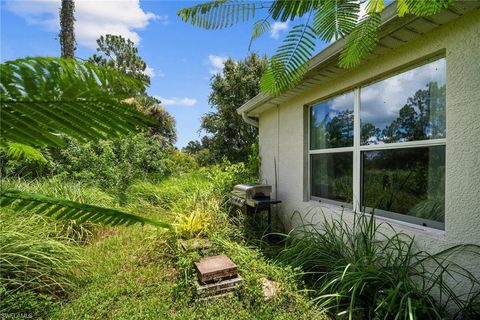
{"type": "Point", "coordinates": [142, 272]}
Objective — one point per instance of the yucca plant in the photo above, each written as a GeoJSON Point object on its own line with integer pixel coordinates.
{"type": "Point", "coordinates": [366, 270]}
{"type": "Point", "coordinates": [42, 98]}
{"type": "Point", "coordinates": [321, 20]}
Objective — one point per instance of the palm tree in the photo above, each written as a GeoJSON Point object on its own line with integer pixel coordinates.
{"type": "Point", "coordinates": [67, 35]}
{"type": "Point", "coordinates": [42, 98]}
{"type": "Point", "coordinates": [322, 20]}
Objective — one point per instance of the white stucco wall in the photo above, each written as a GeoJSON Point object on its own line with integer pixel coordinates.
{"type": "Point", "coordinates": [282, 131]}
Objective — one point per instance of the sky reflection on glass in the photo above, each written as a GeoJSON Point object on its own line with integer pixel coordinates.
{"type": "Point", "coordinates": [406, 107]}
{"type": "Point", "coordinates": [331, 123]}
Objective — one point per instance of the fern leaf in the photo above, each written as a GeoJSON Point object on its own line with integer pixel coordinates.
{"type": "Point", "coordinates": [336, 19]}
{"type": "Point", "coordinates": [259, 28]}
{"type": "Point", "coordinates": [219, 14]}
{"type": "Point", "coordinates": [61, 209]}
{"type": "Point", "coordinates": [23, 152]}
{"type": "Point", "coordinates": [284, 10]}
{"type": "Point", "coordinates": [361, 41]}
{"type": "Point", "coordinates": [289, 64]}
{"type": "Point", "coordinates": [43, 97]}
{"type": "Point", "coordinates": [421, 7]}
{"type": "Point", "coordinates": [375, 6]}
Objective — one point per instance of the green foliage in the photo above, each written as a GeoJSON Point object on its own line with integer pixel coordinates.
{"type": "Point", "coordinates": [228, 136]}
{"type": "Point", "coordinates": [112, 164]}
{"type": "Point", "coordinates": [361, 41]}
{"type": "Point", "coordinates": [36, 268]}
{"type": "Point", "coordinates": [219, 14]}
{"type": "Point", "coordinates": [333, 19]}
{"type": "Point", "coordinates": [61, 209]}
{"type": "Point", "coordinates": [42, 97]}
{"type": "Point", "coordinates": [120, 54]}
{"type": "Point", "coordinates": [289, 64]}
{"type": "Point", "coordinates": [366, 270]}
{"type": "Point", "coordinates": [20, 151]}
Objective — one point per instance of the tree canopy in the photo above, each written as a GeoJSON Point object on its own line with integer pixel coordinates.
{"type": "Point", "coordinates": [228, 136]}
{"type": "Point", "coordinates": [121, 54]}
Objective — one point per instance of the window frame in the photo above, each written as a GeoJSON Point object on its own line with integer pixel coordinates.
{"type": "Point", "coordinates": [357, 150]}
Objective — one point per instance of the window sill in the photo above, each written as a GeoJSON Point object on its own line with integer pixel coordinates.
{"type": "Point", "coordinates": [400, 226]}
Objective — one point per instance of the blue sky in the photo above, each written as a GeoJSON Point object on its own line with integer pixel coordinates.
{"type": "Point", "coordinates": [181, 57]}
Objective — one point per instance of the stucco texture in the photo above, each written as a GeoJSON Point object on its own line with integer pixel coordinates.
{"type": "Point", "coordinates": [283, 130]}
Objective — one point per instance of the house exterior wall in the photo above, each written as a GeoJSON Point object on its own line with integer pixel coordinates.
{"type": "Point", "coordinates": [283, 140]}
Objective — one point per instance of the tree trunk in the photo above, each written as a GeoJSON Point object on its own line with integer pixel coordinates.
{"type": "Point", "coordinates": [67, 36]}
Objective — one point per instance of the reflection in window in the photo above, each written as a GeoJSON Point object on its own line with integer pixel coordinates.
{"type": "Point", "coordinates": [332, 176]}
{"type": "Point", "coordinates": [407, 107]}
{"type": "Point", "coordinates": [331, 123]}
{"type": "Point", "coordinates": [408, 181]}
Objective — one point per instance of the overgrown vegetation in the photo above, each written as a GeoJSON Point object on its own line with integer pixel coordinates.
{"type": "Point", "coordinates": [366, 270]}
{"type": "Point", "coordinates": [144, 273]}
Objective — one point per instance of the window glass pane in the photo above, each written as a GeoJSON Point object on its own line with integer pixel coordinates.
{"type": "Point", "coordinates": [406, 107]}
{"type": "Point", "coordinates": [332, 176]}
{"type": "Point", "coordinates": [331, 123]}
{"type": "Point", "coordinates": [408, 181]}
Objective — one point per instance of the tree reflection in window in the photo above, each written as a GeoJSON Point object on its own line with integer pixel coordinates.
{"type": "Point", "coordinates": [385, 119]}
{"type": "Point", "coordinates": [331, 123]}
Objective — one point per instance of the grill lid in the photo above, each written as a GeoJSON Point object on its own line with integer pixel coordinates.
{"type": "Point", "coordinates": [251, 191]}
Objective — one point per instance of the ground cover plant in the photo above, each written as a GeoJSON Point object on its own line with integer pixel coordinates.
{"type": "Point", "coordinates": [366, 270]}
{"type": "Point", "coordinates": [141, 272]}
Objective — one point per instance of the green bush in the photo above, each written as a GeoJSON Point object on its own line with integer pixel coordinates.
{"type": "Point", "coordinates": [112, 164]}
{"type": "Point", "coordinates": [360, 272]}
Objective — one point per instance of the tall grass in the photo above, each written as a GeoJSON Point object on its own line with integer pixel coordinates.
{"type": "Point", "coordinates": [359, 271]}
{"type": "Point", "coordinates": [66, 189]}
{"type": "Point", "coordinates": [33, 264]}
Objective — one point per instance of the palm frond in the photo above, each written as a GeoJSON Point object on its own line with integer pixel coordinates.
{"type": "Point", "coordinates": [375, 6]}
{"type": "Point", "coordinates": [336, 19]}
{"type": "Point", "coordinates": [361, 41]}
{"type": "Point", "coordinates": [22, 152]}
{"type": "Point", "coordinates": [61, 209]}
{"type": "Point", "coordinates": [219, 14]}
{"type": "Point", "coordinates": [43, 97]}
{"type": "Point", "coordinates": [421, 7]}
{"type": "Point", "coordinates": [284, 10]}
{"type": "Point", "coordinates": [259, 28]}
{"type": "Point", "coordinates": [288, 66]}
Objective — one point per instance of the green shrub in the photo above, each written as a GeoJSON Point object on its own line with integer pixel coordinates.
{"type": "Point", "coordinates": [360, 272]}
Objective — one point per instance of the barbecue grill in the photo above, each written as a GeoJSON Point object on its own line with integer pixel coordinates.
{"type": "Point", "coordinates": [253, 198]}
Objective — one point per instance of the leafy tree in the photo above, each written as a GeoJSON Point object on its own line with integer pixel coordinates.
{"type": "Point", "coordinates": [227, 134]}
{"type": "Point", "coordinates": [121, 54]}
{"type": "Point", "coordinates": [318, 20]}
{"type": "Point", "coordinates": [43, 98]}
{"type": "Point", "coordinates": [67, 35]}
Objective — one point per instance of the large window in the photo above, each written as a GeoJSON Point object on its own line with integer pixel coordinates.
{"type": "Point", "coordinates": [381, 147]}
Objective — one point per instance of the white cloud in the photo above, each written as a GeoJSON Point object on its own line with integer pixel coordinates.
{"type": "Point", "coordinates": [277, 28]}
{"type": "Point", "coordinates": [151, 72]}
{"type": "Point", "coordinates": [382, 101]}
{"type": "Point", "coordinates": [216, 63]}
{"type": "Point", "coordinates": [93, 17]}
{"type": "Point", "coordinates": [174, 101]}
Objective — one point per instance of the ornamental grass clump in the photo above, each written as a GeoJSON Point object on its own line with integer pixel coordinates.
{"type": "Point", "coordinates": [32, 259]}
{"type": "Point", "coordinates": [365, 270]}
